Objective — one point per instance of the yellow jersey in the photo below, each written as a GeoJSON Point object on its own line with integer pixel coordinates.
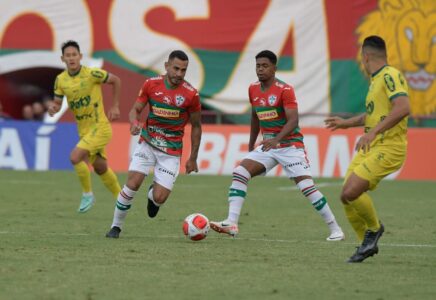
{"type": "Point", "coordinates": [386, 84]}
{"type": "Point", "coordinates": [84, 96]}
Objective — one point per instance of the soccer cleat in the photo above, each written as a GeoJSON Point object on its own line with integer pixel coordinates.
{"type": "Point", "coordinates": [114, 233]}
{"type": "Point", "coordinates": [336, 235]}
{"type": "Point", "coordinates": [358, 257]}
{"type": "Point", "coordinates": [369, 245]}
{"type": "Point", "coordinates": [86, 203]}
{"type": "Point", "coordinates": [152, 209]}
{"type": "Point", "coordinates": [225, 227]}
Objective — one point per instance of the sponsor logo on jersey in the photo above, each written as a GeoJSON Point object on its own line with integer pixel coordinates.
{"type": "Point", "coordinates": [370, 107]}
{"type": "Point", "coordinates": [179, 100]}
{"type": "Point", "coordinates": [167, 100]}
{"type": "Point", "coordinates": [272, 100]}
{"type": "Point", "coordinates": [82, 102]}
{"type": "Point", "coordinates": [267, 115]}
{"type": "Point", "coordinates": [165, 112]}
{"type": "Point", "coordinates": [188, 86]}
{"type": "Point", "coordinates": [390, 84]}
{"type": "Point", "coordinates": [97, 74]}
{"type": "Point", "coordinates": [262, 102]}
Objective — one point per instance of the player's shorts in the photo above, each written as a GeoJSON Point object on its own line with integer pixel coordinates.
{"type": "Point", "coordinates": [376, 164]}
{"type": "Point", "coordinates": [95, 142]}
{"type": "Point", "coordinates": [166, 167]}
{"type": "Point", "coordinates": [293, 160]}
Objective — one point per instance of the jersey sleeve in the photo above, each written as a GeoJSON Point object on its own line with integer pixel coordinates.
{"type": "Point", "coordinates": [143, 92]}
{"type": "Point", "coordinates": [394, 85]}
{"type": "Point", "coordinates": [250, 97]}
{"type": "Point", "coordinates": [196, 104]}
{"type": "Point", "coordinates": [58, 92]}
{"type": "Point", "coordinates": [99, 75]}
{"type": "Point", "coordinates": [288, 98]}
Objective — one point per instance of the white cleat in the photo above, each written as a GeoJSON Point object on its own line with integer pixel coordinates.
{"type": "Point", "coordinates": [225, 227]}
{"type": "Point", "coordinates": [335, 236]}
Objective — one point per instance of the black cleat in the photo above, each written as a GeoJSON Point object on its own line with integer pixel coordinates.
{"type": "Point", "coordinates": [359, 257]}
{"type": "Point", "coordinates": [152, 209]}
{"type": "Point", "coordinates": [114, 233]}
{"type": "Point", "coordinates": [369, 245]}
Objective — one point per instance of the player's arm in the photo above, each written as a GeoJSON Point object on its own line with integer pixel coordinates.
{"type": "Point", "coordinates": [400, 110]}
{"type": "Point", "coordinates": [135, 126]}
{"type": "Point", "coordinates": [55, 106]}
{"type": "Point", "coordinates": [290, 125]}
{"type": "Point", "coordinates": [254, 130]}
{"type": "Point", "coordinates": [114, 111]}
{"type": "Point", "coordinates": [335, 122]}
{"type": "Point", "coordinates": [195, 120]}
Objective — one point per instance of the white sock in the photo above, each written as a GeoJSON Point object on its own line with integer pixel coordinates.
{"type": "Point", "coordinates": [237, 193]}
{"type": "Point", "coordinates": [150, 196]}
{"type": "Point", "coordinates": [123, 204]}
{"type": "Point", "coordinates": [319, 202]}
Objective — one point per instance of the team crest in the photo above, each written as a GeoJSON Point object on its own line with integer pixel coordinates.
{"type": "Point", "coordinates": [180, 100]}
{"type": "Point", "coordinates": [272, 100]}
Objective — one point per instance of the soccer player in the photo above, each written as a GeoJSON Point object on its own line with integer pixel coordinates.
{"type": "Point", "coordinates": [81, 86]}
{"type": "Point", "coordinates": [172, 102]}
{"type": "Point", "coordinates": [382, 148]}
{"type": "Point", "coordinates": [275, 114]}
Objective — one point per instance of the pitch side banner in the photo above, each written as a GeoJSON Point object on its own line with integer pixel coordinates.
{"type": "Point", "coordinates": [38, 146]}
{"type": "Point", "coordinates": [318, 43]}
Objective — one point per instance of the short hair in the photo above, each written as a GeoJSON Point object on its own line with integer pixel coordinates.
{"type": "Point", "coordinates": [178, 54]}
{"type": "Point", "coordinates": [70, 43]}
{"type": "Point", "coordinates": [375, 42]}
{"type": "Point", "coordinates": [268, 54]}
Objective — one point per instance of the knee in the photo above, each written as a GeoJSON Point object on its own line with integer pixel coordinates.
{"type": "Point", "coordinates": [74, 159]}
{"type": "Point", "coordinates": [100, 168]}
{"type": "Point", "coordinates": [348, 195]}
{"type": "Point", "coordinates": [159, 197]}
{"type": "Point", "coordinates": [242, 171]}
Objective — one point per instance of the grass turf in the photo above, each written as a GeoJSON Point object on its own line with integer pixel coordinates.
{"type": "Point", "coordinates": [49, 251]}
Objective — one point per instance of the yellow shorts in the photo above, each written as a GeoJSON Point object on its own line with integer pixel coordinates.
{"type": "Point", "coordinates": [378, 163]}
{"type": "Point", "coordinates": [95, 142]}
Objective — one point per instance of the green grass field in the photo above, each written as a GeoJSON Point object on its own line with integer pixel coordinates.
{"type": "Point", "coordinates": [49, 251]}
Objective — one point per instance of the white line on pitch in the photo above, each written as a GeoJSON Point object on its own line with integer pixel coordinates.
{"type": "Point", "coordinates": [217, 237]}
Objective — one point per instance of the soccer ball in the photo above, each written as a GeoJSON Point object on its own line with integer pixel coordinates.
{"type": "Point", "coordinates": [196, 226]}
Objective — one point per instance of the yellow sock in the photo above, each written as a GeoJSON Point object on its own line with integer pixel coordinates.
{"type": "Point", "coordinates": [365, 209]}
{"type": "Point", "coordinates": [110, 180]}
{"type": "Point", "coordinates": [84, 175]}
{"type": "Point", "coordinates": [358, 224]}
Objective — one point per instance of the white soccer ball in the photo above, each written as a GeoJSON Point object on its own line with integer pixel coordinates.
{"type": "Point", "coordinates": [196, 226]}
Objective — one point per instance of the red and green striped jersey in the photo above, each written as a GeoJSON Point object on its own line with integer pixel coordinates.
{"type": "Point", "coordinates": [169, 112]}
{"type": "Point", "coordinates": [270, 107]}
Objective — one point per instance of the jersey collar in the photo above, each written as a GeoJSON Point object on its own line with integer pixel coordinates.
{"type": "Point", "coordinates": [378, 71]}
{"type": "Point", "coordinates": [75, 74]}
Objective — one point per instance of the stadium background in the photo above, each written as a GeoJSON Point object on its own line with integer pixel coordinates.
{"type": "Point", "coordinates": [318, 43]}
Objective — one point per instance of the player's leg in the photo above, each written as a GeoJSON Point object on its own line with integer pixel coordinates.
{"type": "Point", "coordinates": [78, 158]}
{"type": "Point", "coordinates": [319, 202]}
{"type": "Point", "coordinates": [107, 176]}
{"type": "Point", "coordinates": [255, 163]}
{"type": "Point", "coordinates": [124, 202]}
{"type": "Point", "coordinates": [142, 160]}
{"type": "Point", "coordinates": [165, 175]}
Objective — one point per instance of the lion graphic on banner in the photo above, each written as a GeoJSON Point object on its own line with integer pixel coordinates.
{"type": "Point", "coordinates": [409, 29]}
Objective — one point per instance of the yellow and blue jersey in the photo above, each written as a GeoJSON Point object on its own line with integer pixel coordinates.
{"type": "Point", "coordinates": [84, 96]}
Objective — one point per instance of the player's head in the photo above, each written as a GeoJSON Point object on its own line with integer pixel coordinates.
{"type": "Point", "coordinates": [71, 55]}
{"type": "Point", "coordinates": [373, 50]}
{"type": "Point", "coordinates": [266, 65]}
{"type": "Point", "coordinates": [176, 67]}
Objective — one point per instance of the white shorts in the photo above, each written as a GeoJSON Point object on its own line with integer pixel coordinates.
{"type": "Point", "coordinates": [293, 160]}
{"type": "Point", "coordinates": [166, 167]}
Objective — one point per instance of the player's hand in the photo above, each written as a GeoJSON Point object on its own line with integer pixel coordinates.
{"type": "Point", "coordinates": [135, 128]}
{"type": "Point", "coordinates": [334, 123]}
{"type": "Point", "coordinates": [191, 166]}
{"type": "Point", "coordinates": [269, 144]}
{"type": "Point", "coordinates": [365, 142]}
{"type": "Point", "coordinates": [53, 108]}
{"type": "Point", "coordinates": [114, 113]}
